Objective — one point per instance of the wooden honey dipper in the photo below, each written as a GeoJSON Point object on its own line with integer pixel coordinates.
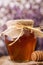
{"type": "Point", "coordinates": [37, 56]}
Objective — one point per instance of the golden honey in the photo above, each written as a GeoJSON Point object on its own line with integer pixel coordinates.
{"type": "Point", "coordinates": [22, 49]}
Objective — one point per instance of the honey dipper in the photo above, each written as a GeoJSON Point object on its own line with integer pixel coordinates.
{"type": "Point", "coordinates": [37, 56]}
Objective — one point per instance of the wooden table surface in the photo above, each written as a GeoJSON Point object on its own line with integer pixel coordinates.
{"type": "Point", "coordinates": [5, 60]}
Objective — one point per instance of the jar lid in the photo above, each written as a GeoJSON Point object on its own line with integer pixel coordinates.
{"type": "Point", "coordinates": [16, 29]}
{"type": "Point", "coordinates": [26, 22]}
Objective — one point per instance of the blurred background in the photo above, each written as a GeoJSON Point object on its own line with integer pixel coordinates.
{"type": "Point", "coordinates": [20, 9]}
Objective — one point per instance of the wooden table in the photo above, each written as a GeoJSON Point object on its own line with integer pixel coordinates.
{"type": "Point", "coordinates": [5, 60]}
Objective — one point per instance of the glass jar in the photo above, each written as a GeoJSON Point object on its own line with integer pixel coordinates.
{"type": "Point", "coordinates": [21, 41]}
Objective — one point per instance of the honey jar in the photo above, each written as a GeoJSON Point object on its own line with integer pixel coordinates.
{"type": "Point", "coordinates": [20, 41]}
